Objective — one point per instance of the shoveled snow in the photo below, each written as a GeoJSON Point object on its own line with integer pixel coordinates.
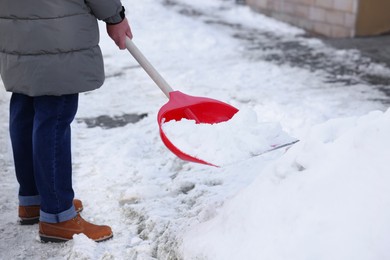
{"type": "Point", "coordinates": [326, 198]}
{"type": "Point", "coordinates": [237, 139]}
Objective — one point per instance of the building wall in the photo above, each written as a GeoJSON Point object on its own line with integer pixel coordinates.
{"type": "Point", "coordinates": [373, 17]}
{"type": "Point", "coordinates": [334, 18]}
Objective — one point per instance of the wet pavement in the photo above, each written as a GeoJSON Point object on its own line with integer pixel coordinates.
{"type": "Point", "coordinates": [375, 47]}
{"type": "Point", "coordinates": [108, 122]}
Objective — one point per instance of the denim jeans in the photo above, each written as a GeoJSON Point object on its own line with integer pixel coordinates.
{"type": "Point", "coordinates": [41, 141]}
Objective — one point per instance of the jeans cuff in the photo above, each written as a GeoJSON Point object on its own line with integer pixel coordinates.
{"type": "Point", "coordinates": [60, 217]}
{"type": "Point", "coordinates": [29, 200]}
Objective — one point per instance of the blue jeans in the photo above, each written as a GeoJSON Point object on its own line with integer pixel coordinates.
{"type": "Point", "coordinates": [41, 143]}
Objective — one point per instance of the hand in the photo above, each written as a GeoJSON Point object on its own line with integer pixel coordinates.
{"type": "Point", "coordinates": [119, 32]}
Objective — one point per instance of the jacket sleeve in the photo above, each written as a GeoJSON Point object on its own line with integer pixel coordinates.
{"type": "Point", "coordinates": [105, 9]}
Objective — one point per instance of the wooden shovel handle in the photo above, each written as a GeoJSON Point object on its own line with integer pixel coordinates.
{"type": "Point", "coordinates": [148, 67]}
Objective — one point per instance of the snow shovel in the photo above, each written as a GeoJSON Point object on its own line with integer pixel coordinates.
{"type": "Point", "coordinates": [180, 105]}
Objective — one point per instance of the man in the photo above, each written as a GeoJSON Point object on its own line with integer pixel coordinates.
{"type": "Point", "coordinates": [49, 54]}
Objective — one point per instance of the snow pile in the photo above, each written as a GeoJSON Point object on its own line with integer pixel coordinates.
{"type": "Point", "coordinates": [327, 198]}
{"type": "Point", "coordinates": [224, 143]}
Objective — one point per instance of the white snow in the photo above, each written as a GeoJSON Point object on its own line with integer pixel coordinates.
{"type": "Point", "coordinates": [325, 198]}
{"type": "Point", "coordinates": [237, 139]}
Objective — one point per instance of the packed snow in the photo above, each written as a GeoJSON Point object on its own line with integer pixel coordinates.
{"type": "Point", "coordinates": [224, 143]}
{"type": "Point", "coordinates": [326, 197]}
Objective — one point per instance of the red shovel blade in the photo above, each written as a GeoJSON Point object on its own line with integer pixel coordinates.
{"type": "Point", "coordinates": [200, 109]}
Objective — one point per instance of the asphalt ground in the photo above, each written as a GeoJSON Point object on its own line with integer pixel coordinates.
{"type": "Point", "coordinates": [375, 47]}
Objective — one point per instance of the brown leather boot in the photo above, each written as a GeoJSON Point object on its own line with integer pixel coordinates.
{"type": "Point", "coordinates": [64, 231]}
{"type": "Point", "coordinates": [29, 215]}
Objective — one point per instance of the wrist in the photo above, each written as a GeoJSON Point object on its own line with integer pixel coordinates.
{"type": "Point", "coordinates": [117, 18]}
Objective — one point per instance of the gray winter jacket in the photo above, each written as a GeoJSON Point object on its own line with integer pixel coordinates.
{"type": "Point", "coordinates": [50, 47]}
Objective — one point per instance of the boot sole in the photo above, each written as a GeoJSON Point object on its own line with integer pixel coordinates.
{"type": "Point", "coordinates": [52, 239]}
{"type": "Point", "coordinates": [28, 221]}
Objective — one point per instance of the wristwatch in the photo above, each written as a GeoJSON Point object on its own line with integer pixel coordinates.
{"type": "Point", "coordinates": [118, 18]}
